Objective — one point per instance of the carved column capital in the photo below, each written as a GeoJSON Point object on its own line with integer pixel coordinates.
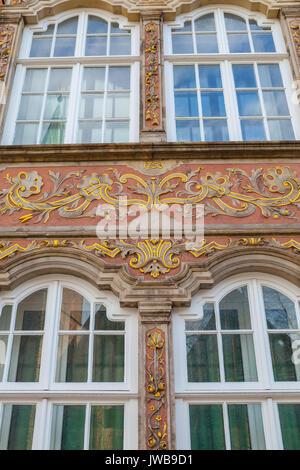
{"type": "Point", "coordinates": [155, 311]}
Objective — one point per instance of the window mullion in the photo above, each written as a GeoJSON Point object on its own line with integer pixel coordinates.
{"type": "Point", "coordinates": [226, 426]}
{"type": "Point", "coordinates": [260, 94]}
{"type": "Point", "coordinates": [74, 99]}
{"type": "Point", "coordinates": [10, 344]}
{"type": "Point", "coordinates": [87, 427]}
{"type": "Point", "coordinates": [220, 344]}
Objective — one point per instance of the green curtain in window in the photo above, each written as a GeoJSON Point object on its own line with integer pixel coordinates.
{"type": "Point", "coordinates": [207, 428]}
{"type": "Point", "coordinates": [202, 358]}
{"type": "Point", "coordinates": [21, 427]}
{"type": "Point", "coordinates": [106, 429]}
{"type": "Point", "coordinates": [56, 131]}
{"type": "Point", "coordinates": [108, 365]}
{"type": "Point", "coordinates": [290, 425]}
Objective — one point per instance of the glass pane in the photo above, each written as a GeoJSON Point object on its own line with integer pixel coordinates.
{"type": "Point", "coordinates": [117, 105]}
{"type": "Point", "coordinates": [254, 26]}
{"type": "Point", "coordinates": [253, 129]}
{"type": "Point", "coordinates": [91, 106]}
{"type": "Point", "coordinates": [244, 76]}
{"type": "Point", "coordinates": [67, 432]}
{"type": "Point", "coordinates": [17, 427]}
{"type": "Point", "coordinates": [182, 44]}
{"type": "Point", "coordinates": [205, 23]}
{"type": "Point", "coordinates": [3, 349]}
{"type": "Point", "coordinates": [95, 45]}
{"type": "Point", "coordinates": [40, 47]}
{"type": "Point", "coordinates": [280, 310]}
{"type": "Point", "coordinates": [31, 312]}
{"type": "Point", "coordinates": [35, 80]}
{"type": "Point", "coordinates": [263, 42]}
{"type": "Point", "coordinates": [25, 134]}
{"type": "Point", "coordinates": [207, 427]}
{"type": "Point", "coordinates": [53, 133]}
{"type": "Point", "coordinates": [64, 47]}
{"type": "Point", "coordinates": [68, 27]}
{"type": "Point", "coordinates": [5, 318]}
{"type": "Point", "coordinates": [234, 310]}
{"type": "Point", "coordinates": [186, 27]}
{"type": "Point", "coordinates": [248, 102]}
{"type": "Point", "coordinates": [188, 131]}
{"type": "Point", "coordinates": [56, 107]}
{"type": "Point", "coordinates": [120, 45]}
{"type": "Point", "coordinates": [239, 358]}
{"type": "Point", "coordinates": [72, 358]}
{"type": "Point", "coordinates": [116, 132]}
{"type": "Point", "coordinates": [284, 353]}
{"type": "Point", "coordinates": [208, 321]}
{"type": "Point", "coordinates": [184, 76]}
{"type": "Point", "coordinates": [289, 415]}
{"type": "Point", "coordinates": [60, 80]}
{"type": "Point", "coordinates": [206, 43]}
{"type": "Point", "coordinates": [202, 358]}
{"type": "Point", "coordinates": [25, 359]}
{"type": "Point", "coordinates": [89, 132]}
{"type": "Point", "coordinates": [239, 43]}
{"type": "Point", "coordinates": [118, 78]}
{"type": "Point", "coordinates": [246, 427]}
{"type": "Point", "coordinates": [96, 25]}
{"type": "Point", "coordinates": [114, 29]}
{"type": "Point", "coordinates": [108, 365]}
{"type": "Point", "coordinates": [30, 107]}
{"type": "Point", "coordinates": [215, 130]}
{"type": "Point", "coordinates": [106, 429]}
{"type": "Point", "coordinates": [281, 129]}
{"type": "Point", "coordinates": [103, 323]}
{"type": "Point", "coordinates": [275, 103]}
{"type": "Point", "coordinates": [213, 104]}
{"type": "Point", "coordinates": [234, 23]}
{"type": "Point", "coordinates": [270, 75]}
{"type": "Point", "coordinates": [48, 32]}
{"type": "Point", "coordinates": [93, 78]}
{"type": "Point", "coordinates": [210, 76]}
{"type": "Point", "coordinates": [186, 104]}
{"type": "Point", "coordinates": [75, 311]}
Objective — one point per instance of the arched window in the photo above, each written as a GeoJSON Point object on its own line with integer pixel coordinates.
{"type": "Point", "coordinates": [69, 349]}
{"type": "Point", "coordinates": [76, 81]}
{"type": "Point", "coordinates": [230, 78]}
{"type": "Point", "coordinates": [237, 360]}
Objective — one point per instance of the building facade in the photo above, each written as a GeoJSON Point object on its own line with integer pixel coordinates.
{"type": "Point", "coordinates": [114, 336]}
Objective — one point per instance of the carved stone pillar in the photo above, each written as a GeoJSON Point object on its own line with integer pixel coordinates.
{"type": "Point", "coordinates": [157, 430]}
{"type": "Point", "coordinates": [152, 123]}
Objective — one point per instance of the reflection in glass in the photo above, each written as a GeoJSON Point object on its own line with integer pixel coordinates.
{"type": "Point", "coordinates": [263, 42]}
{"type": "Point", "coordinates": [31, 312]}
{"type": "Point", "coordinates": [116, 132]}
{"type": "Point", "coordinates": [207, 427]}
{"type": "Point", "coordinates": [67, 431]}
{"type": "Point", "coordinates": [248, 103]}
{"type": "Point", "coordinates": [285, 367]}
{"type": "Point", "coordinates": [108, 363]}
{"type": "Point", "coordinates": [106, 428]}
{"type": "Point", "coordinates": [289, 415]}
{"type": "Point", "coordinates": [60, 80]}
{"type": "Point", "coordinates": [96, 25]}
{"type": "Point", "coordinates": [253, 129]}
{"type": "Point", "coordinates": [239, 358]}
{"type": "Point", "coordinates": [182, 44]}
{"type": "Point", "coordinates": [89, 132]}
{"type": "Point", "coordinates": [118, 78]}
{"type": "Point", "coordinates": [30, 107]}
{"type": "Point", "coordinates": [244, 76]}
{"type": "Point", "coordinates": [35, 80]}
{"type": "Point", "coordinates": [275, 103]}
{"type": "Point", "coordinates": [95, 46]}
{"type": "Point", "coordinates": [186, 104]}
{"type": "Point", "coordinates": [17, 427]}
{"type": "Point", "coordinates": [91, 106]}
{"type": "Point", "coordinates": [188, 131]}
{"type": "Point", "coordinates": [202, 358]}
{"type": "Point", "coordinates": [40, 47]}
{"type": "Point", "coordinates": [64, 47]}
{"type": "Point", "coordinates": [25, 358]}
{"type": "Point", "coordinates": [280, 310]}
{"type": "Point", "coordinates": [184, 76]}
{"type": "Point", "coordinates": [239, 43]}
{"type": "Point", "coordinates": [5, 317]}
{"type": "Point", "coordinates": [207, 43]}
{"type": "Point", "coordinates": [281, 129]}
{"type": "Point", "coordinates": [56, 107]}
{"type": "Point", "coordinates": [209, 76]}
{"type": "Point", "coordinates": [234, 23]}
{"type": "Point", "coordinates": [25, 134]}
{"type": "Point", "coordinates": [68, 27]}
{"type": "Point", "coordinates": [3, 349]}
{"type": "Point", "coordinates": [103, 323]}
{"type": "Point", "coordinates": [208, 322]}
{"type": "Point", "coordinates": [215, 130]}
{"type": "Point", "coordinates": [75, 311]}
{"type": "Point", "coordinates": [120, 45]}
{"type": "Point", "coordinates": [213, 104]}
{"type": "Point", "coordinates": [234, 310]}
{"type": "Point", "coordinates": [246, 427]}
{"type": "Point", "coordinates": [72, 358]}
{"type": "Point", "coordinates": [270, 75]}
{"type": "Point", "coordinates": [205, 23]}
{"type": "Point", "coordinates": [93, 78]}
{"type": "Point", "coordinates": [117, 105]}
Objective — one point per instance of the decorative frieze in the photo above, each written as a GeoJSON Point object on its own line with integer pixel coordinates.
{"type": "Point", "coordinates": [6, 40]}
{"type": "Point", "coordinates": [152, 75]}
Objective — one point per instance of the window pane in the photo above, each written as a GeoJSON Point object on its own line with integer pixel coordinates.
{"type": "Point", "coordinates": [68, 27]}
{"type": "Point", "coordinates": [60, 80]}
{"type": "Point", "coordinates": [96, 25]}
{"type": "Point", "coordinates": [206, 43]}
{"type": "Point", "coordinates": [89, 132]}
{"type": "Point", "coordinates": [5, 317]}
{"type": "Point", "coordinates": [91, 106]}
{"type": "Point", "coordinates": [53, 133]}
{"type": "Point", "coordinates": [116, 132]}
{"type": "Point", "coordinates": [280, 310]}
{"type": "Point", "coordinates": [188, 131]}
{"type": "Point", "coordinates": [17, 427]}
{"type": "Point", "coordinates": [263, 42]}
{"type": "Point", "coordinates": [31, 311]}
{"type": "Point", "coordinates": [25, 359]}
{"type": "Point", "coordinates": [108, 363]}
{"type": "Point", "coordinates": [182, 44]}
{"type": "Point", "coordinates": [239, 358]}
{"type": "Point", "coordinates": [289, 415]}
{"type": "Point", "coordinates": [30, 107]}
{"type": "Point", "coordinates": [75, 311]}
{"type": "Point", "coordinates": [103, 323]}
{"type": "Point", "coordinates": [48, 32]}
{"type": "Point", "coordinates": [234, 23]}
{"type": "Point", "coordinates": [115, 29]}
{"type": "Point", "coordinates": [72, 358]}
{"type": "Point", "coordinates": [254, 26]}
{"type": "Point", "coordinates": [95, 46]}
{"type": "Point", "coordinates": [246, 427]}
{"type": "Point", "coordinates": [184, 76]}
{"type": "Point", "coordinates": [215, 130]}
{"type": "Point", "coordinates": [35, 80]}
{"type": "Point", "coordinates": [117, 105]}
{"type": "Point", "coordinates": [208, 321]}
{"type": "Point", "coordinates": [248, 103]}
{"type": "Point", "coordinates": [286, 366]}
{"type": "Point", "coordinates": [234, 310]}
{"type": "Point", "coordinates": [3, 349]}
{"type": "Point", "coordinates": [239, 43]}
{"type": "Point", "coordinates": [275, 103]}
{"type": "Point", "coordinates": [67, 431]}
{"type": "Point", "coordinates": [253, 129]}
{"type": "Point", "coordinates": [64, 47]}
{"type": "Point", "coordinates": [210, 76]}
{"type": "Point", "coordinates": [205, 23]}
{"type": "Point", "coordinates": [270, 75]}
{"type": "Point", "coordinates": [40, 47]}
{"type": "Point", "coordinates": [56, 107]}
{"type": "Point", "coordinates": [25, 134]}
{"type": "Point", "coordinates": [207, 427]}
{"type": "Point", "coordinates": [118, 78]}
{"type": "Point", "coordinates": [186, 27]}
{"type": "Point", "coordinates": [281, 129]}
{"type": "Point", "coordinates": [244, 76]}
{"type": "Point", "coordinates": [213, 104]}
{"type": "Point", "coordinates": [202, 358]}
{"type": "Point", "coordinates": [106, 429]}
{"type": "Point", "coordinates": [93, 78]}
{"type": "Point", "coordinates": [120, 45]}
{"type": "Point", "coordinates": [186, 104]}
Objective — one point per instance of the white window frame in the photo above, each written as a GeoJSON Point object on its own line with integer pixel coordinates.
{"type": "Point", "coordinates": [224, 58]}
{"type": "Point", "coordinates": [76, 62]}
